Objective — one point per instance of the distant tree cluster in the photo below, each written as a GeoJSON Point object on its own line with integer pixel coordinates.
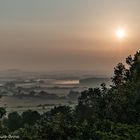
{"type": "Point", "coordinates": [101, 113]}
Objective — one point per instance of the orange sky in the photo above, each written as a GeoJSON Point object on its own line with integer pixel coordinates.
{"type": "Point", "coordinates": [67, 35]}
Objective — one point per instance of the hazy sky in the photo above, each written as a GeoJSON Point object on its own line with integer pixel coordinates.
{"type": "Point", "coordinates": [44, 35]}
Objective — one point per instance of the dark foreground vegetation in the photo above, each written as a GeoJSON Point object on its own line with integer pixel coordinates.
{"type": "Point", "coordinates": [101, 113]}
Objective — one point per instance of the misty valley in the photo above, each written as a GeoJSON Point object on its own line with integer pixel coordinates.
{"type": "Point", "coordinates": [21, 91]}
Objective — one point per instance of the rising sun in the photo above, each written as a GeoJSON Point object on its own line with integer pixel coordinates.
{"type": "Point", "coordinates": [120, 33]}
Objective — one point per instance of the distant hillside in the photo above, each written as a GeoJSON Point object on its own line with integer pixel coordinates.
{"type": "Point", "coordinates": [94, 81]}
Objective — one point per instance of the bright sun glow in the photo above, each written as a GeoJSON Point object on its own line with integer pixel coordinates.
{"type": "Point", "coordinates": [120, 33]}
